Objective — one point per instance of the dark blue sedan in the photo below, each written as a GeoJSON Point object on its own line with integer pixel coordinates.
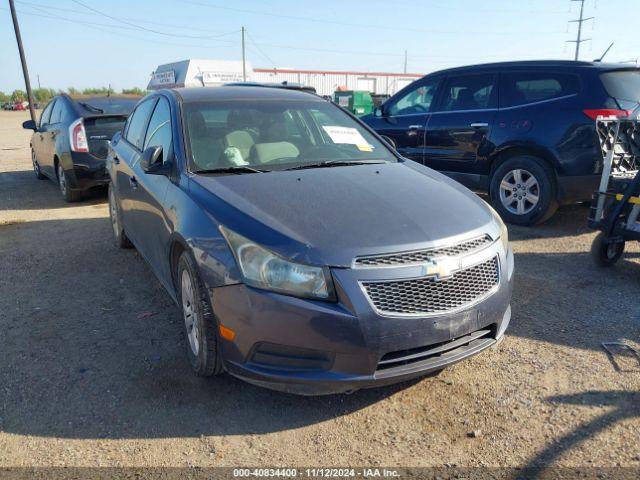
{"type": "Point", "coordinates": [305, 253]}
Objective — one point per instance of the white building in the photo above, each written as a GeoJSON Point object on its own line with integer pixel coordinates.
{"type": "Point", "coordinates": [328, 81]}
{"type": "Point", "coordinates": [198, 73]}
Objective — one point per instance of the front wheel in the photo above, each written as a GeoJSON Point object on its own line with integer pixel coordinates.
{"type": "Point", "coordinates": [199, 320]}
{"type": "Point", "coordinates": [119, 236]}
{"type": "Point", "coordinates": [36, 166]}
{"type": "Point", "coordinates": [606, 251]}
{"type": "Point", "coordinates": [522, 190]}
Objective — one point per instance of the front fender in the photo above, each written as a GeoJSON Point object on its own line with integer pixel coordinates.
{"type": "Point", "coordinates": [198, 231]}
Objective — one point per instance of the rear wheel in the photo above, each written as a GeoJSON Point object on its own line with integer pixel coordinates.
{"type": "Point", "coordinates": [36, 166]}
{"type": "Point", "coordinates": [523, 191]}
{"type": "Point", "coordinates": [119, 236]}
{"type": "Point", "coordinates": [68, 194]}
{"type": "Point", "coordinates": [606, 251]}
{"type": "Point", "coordinates": [199, 320]}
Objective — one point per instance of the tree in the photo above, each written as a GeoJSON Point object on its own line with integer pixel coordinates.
{"type": "Point", "coordinates": [18, 96]}
{"type": "Point", "coordinates": [4, 98]}
{"type": "Point", "coordinates": [43, 95]}
{"type": "Point", "coordinates": [95, 91]}
{"type": "Point", "coordinates": [73, 91]}
{"type": "Point", "coordinates": [134, 91]}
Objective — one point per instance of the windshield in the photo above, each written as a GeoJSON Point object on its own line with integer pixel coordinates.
{"type": "Point", "coordinates": [275, 135]}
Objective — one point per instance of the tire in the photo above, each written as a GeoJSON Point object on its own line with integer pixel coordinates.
{"type": "Point", "coordinates": [119, 236]}
{"type": "Point", "coordinates": [201, 325]}
{"type": "Point", "coordinates": [69, 195]}
{"type": "Point", "coordinates": [36, 166]}
{"type": "Point", "coordinates": [605, 251]}
{"type": "Point", "coordinates": [531, 196]}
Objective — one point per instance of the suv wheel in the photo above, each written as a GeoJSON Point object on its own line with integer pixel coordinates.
{"type": "Point", "coordinates": [119, 237]}
{"type": "Point", "coordinates": [522, 190]}
{"type": "Point", "coordinates": [68, 194]}
{"type": "Point", "coordinates": [36, 166]}
{"type": "Point", "coordinates": [199, 320]}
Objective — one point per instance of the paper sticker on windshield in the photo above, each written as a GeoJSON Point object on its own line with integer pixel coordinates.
{"type": "Point", "coordinates": [349, 136]}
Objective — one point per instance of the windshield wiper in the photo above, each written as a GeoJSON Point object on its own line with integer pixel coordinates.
{"type": "Point", "coordinates": [335, 163]}
{"type": "Point", "coordinates": [235, 169]}
{"type": "Point", "coordinates": [91, 107]}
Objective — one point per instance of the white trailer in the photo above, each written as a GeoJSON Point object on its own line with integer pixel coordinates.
{"type": "Point", "coordinates": [199, 73]}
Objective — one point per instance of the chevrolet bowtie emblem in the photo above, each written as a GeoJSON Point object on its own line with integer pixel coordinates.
{"type": "Point", "coordinates": [440, 268]}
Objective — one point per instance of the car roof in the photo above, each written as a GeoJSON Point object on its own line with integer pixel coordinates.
{"type": "Point", "coordinates": [226, 93]}
{"type": "Point", "coordinates": [539, 64]}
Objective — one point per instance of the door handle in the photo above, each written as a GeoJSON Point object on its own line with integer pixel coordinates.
{"type": "Point", "coordinates": [133, 182]}
{"type": "Point", "coordinates": [415, 127]}
{"type": "Point", "coordinates": [479, 125]}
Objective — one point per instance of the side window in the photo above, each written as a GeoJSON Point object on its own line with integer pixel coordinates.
{"type": "Point", "coordinates": [56, 113]}
{"type": "Point", "coordinates": [469, 92]}
{"type": "Point", "coordinates": [138, 123]}
{"type": "Point", "coordinates": [520, 88]}
{"type": "Point", "coordinates": [67, 114]}
{"type": "Point", "coordinates": [418, 99]}
{"type": "Point", "coordinates": [46, 114]}
{"type": "Point", "coordinates": [159, 130]}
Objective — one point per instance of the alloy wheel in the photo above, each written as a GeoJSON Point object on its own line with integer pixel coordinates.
{"type": "Point", "coordinates": [190, 313]}
{"type": "Point", "coordinates": [519, 191]}
{"type": "Point", "coordinates": [113, 213]}
{"type": "Point", "coordinates": [36, 167]}
{"type": "Point", "coordinates": [62, 181]}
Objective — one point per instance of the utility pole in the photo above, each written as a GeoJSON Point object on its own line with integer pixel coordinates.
{"type": "Point", "coordinates": [244, 66]}
{"type": "Point", "coordinates": [25, 71]}
{"type": "Point", "coordinates": [39, 81]}
{"type": "Point", "coordinates": [579, 21]}
{"type": "Point", "coordinates": [405, 61]}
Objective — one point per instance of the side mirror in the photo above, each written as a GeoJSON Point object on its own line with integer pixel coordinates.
{"type": "Point", "coordinates": [389, 141]}
{"type": "Point", "coordinates": [151, 162]}
{"type": "Point", "coordinates": [30, 125]}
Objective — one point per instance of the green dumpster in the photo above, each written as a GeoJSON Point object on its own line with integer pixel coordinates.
{"type": "Point", "coordinates": [357, 102]}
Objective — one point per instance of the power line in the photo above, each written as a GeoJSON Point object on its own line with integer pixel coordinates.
{"type": "Point", "coordinates": [89, 13]}
{"type": "Point", "coordinates": [101, 27]}
{"type": "Point", "coordinates": [362, 25]}
{"type": "Point", "coordinates": [579, 40]}
{"type": "Point", "coordinates": [253, 42]}
{"type": "Point", "coordinates": [135, 25]}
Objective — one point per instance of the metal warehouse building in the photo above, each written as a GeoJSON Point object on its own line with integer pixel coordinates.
{"type": "Point", "coordinates": [327, 82]}
{"type": "Point", "coordinates": [202, 72]}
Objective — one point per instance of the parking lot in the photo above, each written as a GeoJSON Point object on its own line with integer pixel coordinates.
{"type": "Point", "coordinates": [94, 369]}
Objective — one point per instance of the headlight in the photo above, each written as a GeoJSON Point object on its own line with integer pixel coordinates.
{"type": "Point", "coordinates": [504, 233]}
{"type": "Point", "coordinates": [264, 269]}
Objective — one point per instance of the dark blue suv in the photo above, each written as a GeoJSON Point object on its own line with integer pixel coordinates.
{"type": "Point", "coordinates": [522, 131]}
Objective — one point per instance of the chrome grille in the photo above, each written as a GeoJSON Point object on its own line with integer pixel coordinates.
{"type": "Point", "coordinates": [421, 256]}
{"type": "Point", "coordinates": [425, 296]}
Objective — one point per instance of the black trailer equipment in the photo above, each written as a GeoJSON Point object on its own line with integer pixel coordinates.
{"type": "Point", "coordinates": [615, 209]}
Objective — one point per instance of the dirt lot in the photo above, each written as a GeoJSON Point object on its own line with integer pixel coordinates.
{"type": "Point", "coordinates": [87, 378]}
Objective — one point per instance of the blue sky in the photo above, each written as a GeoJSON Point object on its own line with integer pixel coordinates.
{"type": "Point", "coordinates": [68, 44]}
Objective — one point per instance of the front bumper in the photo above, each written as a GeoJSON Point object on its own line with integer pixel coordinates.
{"type": "Point", "coordinates": [311, 347]}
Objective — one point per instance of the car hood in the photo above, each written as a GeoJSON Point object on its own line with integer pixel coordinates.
{"type": "Point", "coordinates": [329, 216]}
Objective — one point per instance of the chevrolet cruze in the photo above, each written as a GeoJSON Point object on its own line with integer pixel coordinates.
{"type": "Point", "coordinates": [306, 254]}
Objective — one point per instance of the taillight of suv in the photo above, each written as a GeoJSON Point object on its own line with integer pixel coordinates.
{"type": "Point", "coordinates": [593, 114]}
{"type": "Point", "coordinates": [78, 137]}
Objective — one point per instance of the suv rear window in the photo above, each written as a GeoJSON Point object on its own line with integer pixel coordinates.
{"type": "Point", "coordinates": [520, 88]}
{"type": "Point", "coordinates": [623, 84]}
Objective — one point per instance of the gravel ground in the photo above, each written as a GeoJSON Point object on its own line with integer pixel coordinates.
{"type": "Point", "coordinates": [88, 377]}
